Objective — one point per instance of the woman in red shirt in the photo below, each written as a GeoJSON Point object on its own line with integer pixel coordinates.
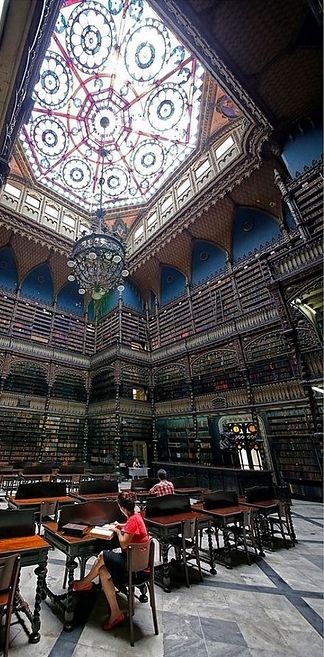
{"type": "Point", "coordinates": [112, 566]}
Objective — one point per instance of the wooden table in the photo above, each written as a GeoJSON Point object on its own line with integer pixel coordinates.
{"type": "Point", "coordinates": [36, 477]}
{"type": "Point", "coordinates": [74, 547]}
{"type": "Point", "coordinates": [93, 497]}
{"type": "Point", "coordinates": [193, 491]}
{"type": "Point", "coordinates": [166, 526]}
{"type": "Point", "coordinates": [221, 518]}
{"type": "Point", "coordinates": [142, 471]}
{"type": "Point", "coordinates": [35, 502]}
{"type": "Point", "coordinates": [266, 507]}
{"type": "Point", "coordinates": [33, 550]}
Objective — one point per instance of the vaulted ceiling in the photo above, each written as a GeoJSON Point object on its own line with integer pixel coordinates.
{"type": "Point", "coordinates": [266, 56]}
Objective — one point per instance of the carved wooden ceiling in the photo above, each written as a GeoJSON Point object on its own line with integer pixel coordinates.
{"type": "Point", "coordinates": [272, 49]}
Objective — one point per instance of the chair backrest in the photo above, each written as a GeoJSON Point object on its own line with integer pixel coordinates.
{"type": "Point", "coordinates": [218, 499]}
{"type": "Point", "coordinates": [189, 529]}
{"type": "Point", "coordinates": [71, 469]}
{"type": "Point", "coordinates": [38, 469]}
{"type": "Point", "coordinates": [98, 486]}
{"type": "Point", "coordinates": [143, 484]}
{"type": "Point", "coordinates": [9, 571]}
{"type": "Point", "coordinates": [140, 556]}
{"type": "Point", "coordinates": [102, 469]}
{"type": "Point", "coordinates": [184, 482]}
{"type": "Point", "coordinates": [90, 513]}
{"type": "Point", "coordinates": [167, 504]}
{"type": "Point", "coordinates": [259, 493]}
{"type": "Point", "coordinates": [41, 489]}
{"type": "Point", "coordinates": [48, 509]}
{"type": "Point", "coordinates": [16, 523]}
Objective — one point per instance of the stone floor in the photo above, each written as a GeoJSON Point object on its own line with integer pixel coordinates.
{"type": "Point", "coordinates": [273, 608]}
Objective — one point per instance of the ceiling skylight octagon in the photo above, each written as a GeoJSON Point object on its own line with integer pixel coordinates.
{"type": "Point", "coordinates": [115, 77]}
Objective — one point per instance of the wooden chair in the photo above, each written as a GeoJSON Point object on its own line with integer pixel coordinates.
{"type": "Point", "coordinates": [280, 524]}
{"type": "Point", "coordinates": [140, 566]}
{"type": "Point", "coordinates": [186, 546]}
{"type": "Point", "coordinates": [243, 534]}
{"type": "Point", "coordinates": [9, 574]}
{"type": "Point", "coordinates": [47, 511]}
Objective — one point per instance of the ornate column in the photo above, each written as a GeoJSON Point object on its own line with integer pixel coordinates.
{"type": "Point", "coordinates": [4, 172]}
{"type": "Point", "coordinates": [292, 205]}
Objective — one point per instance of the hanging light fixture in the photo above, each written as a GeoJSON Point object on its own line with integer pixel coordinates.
{"type": "Point", "coordinates": [98, 259]}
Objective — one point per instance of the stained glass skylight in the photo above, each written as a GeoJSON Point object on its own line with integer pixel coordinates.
{"type": "Point", "coordinates": [115, 77]}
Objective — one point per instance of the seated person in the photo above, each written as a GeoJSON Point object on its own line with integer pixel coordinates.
{"type": "Point", "coordinates": [112, 566]}
{"type": "Point", "coordinates": [136, 463]}
{"type": "Point", "coordinates": [164, 487]}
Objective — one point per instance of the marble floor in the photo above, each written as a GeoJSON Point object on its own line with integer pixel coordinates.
{"type": "Point", "coordinates": [273, 608]}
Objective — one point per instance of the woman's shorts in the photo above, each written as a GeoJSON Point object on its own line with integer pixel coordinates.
{"type": "Point", "coordinates": [116, 564]}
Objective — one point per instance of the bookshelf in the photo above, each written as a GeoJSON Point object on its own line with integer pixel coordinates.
{"type": "Point", "coordinates": [132, 429]}
{"type": "Point", "coordinates": [101, 438]}
{"type": "Point", "coordinates": [176, 436]}
{"type": "Point", "coordinates": [291, 433]}
{"type": "Point", "coordinates": [270, 371]}
{"type": "Point", "coordinates": [107, 331]}
{"type": "Point", "coordinates": [63, 438]}
{"type": "Point", "coordinates": [7, 304]}
{"type": "Point", "coordinates": [204, 437]}
{"type": "Point", "coordinates": [70, 387]}
{"type": "Point", "coordinates": [27, 379]}
{"type": "Point", "coordinates": [20, 435]}
{"type": "Point", "coordinates": [103, 386]}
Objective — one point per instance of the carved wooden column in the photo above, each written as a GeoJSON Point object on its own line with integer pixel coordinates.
{"type": "Point", "coordinates": [117, 407]}
{"type": "Point", "coordinates": [4, 172]}
{"type": "Point", "coordinates": [292, 205]}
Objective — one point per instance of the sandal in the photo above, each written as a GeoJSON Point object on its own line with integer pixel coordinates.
{"type": "Point", "coordinates": [79, 587]}
{"type": "Point", "coordinates": [109, 625]}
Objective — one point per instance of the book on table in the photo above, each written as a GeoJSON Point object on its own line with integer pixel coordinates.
{"type": "Point", "coordinates": [103, 531]}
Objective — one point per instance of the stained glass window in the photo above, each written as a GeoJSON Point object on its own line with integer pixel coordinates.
{"type": "Point", "coordinates": [113, 76]}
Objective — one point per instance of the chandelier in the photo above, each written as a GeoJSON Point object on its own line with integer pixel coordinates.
{"type": "Point", "coordinates": [98, 259]}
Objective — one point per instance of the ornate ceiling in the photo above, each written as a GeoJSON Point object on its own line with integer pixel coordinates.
{"type": "Point", "coordinates": [266, 57]}
{"type": "Point", "coordinates": [113, 77]}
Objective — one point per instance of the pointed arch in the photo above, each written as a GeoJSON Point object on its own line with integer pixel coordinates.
{"type": "Point", "coordinates": [303, 149]}
{"type": "Point", "coordinates": [108, 303]}
{"type": "Point", "coordinates": [38, 284]}
{"type": "Point", "coordinates": [173, 283]}
{"type": "Point", "coordinates": [70, 300]}
{"type": "Point", "coordinates": [252, 229]}
{"type": "Point", "coordinates": [8, 269]}
{"type": "Point", "coordinates": [132, 296]}
{"type": "Point", "coordinates": [207, 260]}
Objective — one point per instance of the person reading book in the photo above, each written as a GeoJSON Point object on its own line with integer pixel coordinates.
{"type": "Point", "coordinates": [111, 567]}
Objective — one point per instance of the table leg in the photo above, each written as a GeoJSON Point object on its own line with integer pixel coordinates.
{"type": "Point", "coordinates": [290, 525]}
{"type": "Point", "coordinates": [258, 535]}
{"type": "Point", "coordinates": [209, 532]}
{"type": "Point", "coordinates": [71, 565]}
{"type": "Point", "coordinates": [227, 549]}
{"type": "Point", "coordinates": [165, 567]}
{"type": "Point", "coordinates": [40, 572]}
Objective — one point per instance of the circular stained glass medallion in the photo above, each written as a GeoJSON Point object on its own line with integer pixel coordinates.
{"type": "Point", "coordinates": [54, 83]}
{"type": "Point", "coordinates": [164, 107]}
{"type": "Point", "coordinates": [146, 51]}
{"type": "Point", "coordinates": [148, 158]}
{"type": "Point", "coordinates": [90, 38]}
{"type": "Point", "coordinates": [116, 181]}
{"type": "Point", "coordinates": [49, 135]}
{"type": "Point", "coordinates": [76, 173]}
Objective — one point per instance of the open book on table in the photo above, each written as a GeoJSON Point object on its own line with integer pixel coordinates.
{"type": "Point", "coordinates": [104, 531]}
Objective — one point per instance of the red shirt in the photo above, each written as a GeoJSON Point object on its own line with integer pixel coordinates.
{"type": "Point", "coordinates": [135, 525]}
{"type": "Point", "coordinates": [164, 487]}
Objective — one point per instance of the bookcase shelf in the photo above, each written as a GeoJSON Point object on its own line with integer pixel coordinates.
{"type": "Point", "coordinates": [291, 433]}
